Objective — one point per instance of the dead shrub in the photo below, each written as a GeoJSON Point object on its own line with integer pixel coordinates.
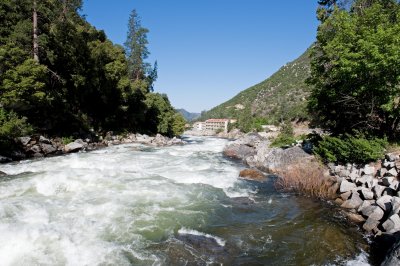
{"type": "Point", "coordinates": [308, 179]}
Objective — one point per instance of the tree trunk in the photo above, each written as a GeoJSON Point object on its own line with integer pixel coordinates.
{"type": "Point", "coordinates": [35, 34]}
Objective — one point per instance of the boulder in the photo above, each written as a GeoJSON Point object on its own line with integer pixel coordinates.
{"type": "Point", "coordinates": [345, 195]}
{"type": "Point", "coordinates": [2, 173]}
{"type": "Point", "coordinates": [353, 203]}
{"type": "Point", "coordinates": [368, 170]}
{"type": "Point", "coordinates": [355, 218]}
{"type": "Point", "coordinates": [385, 202]}
{"type": "Point", "coordinates": [388, 164]}
{"type": "Point", "coordinates": [395, 205]}
{"type": "Point", "coordinates": [392, 172]}
{"type": "Point", "coordinates": [252, 174]}
{"type": "Point", "coordinates": [364, 205]}
{"type": "Point", "coordinates": [367, 194]}
{"type": "Point", "coordinates": [392, 224]}
{"type": "Point", "coordinates": [346, 186]}
{"type": "Point", "coordinates": [378, 190]}
{"type": "Point", "coordinates": [381, 173]}
{"type": "Point", "coordinates": [238, 151]}
{"type": "Point", "coordinates": [73, 147]}
{"type": "Point", "coordinates": [250, 140]}
{"type": "Point", "coordinates": [277, 159]}
{"type": "Point", "coordinates": [391, 157]}
{"type": "Point", "coordinates": [34, 149]}
{"type": "Point", "coordinates": [48, 148]}
{"type": "Point", "coordinates": [373, 211]}
{"type": "Point", "coordinates": [339, 201]}
{"type": "Point", "coordinates": [4, 159]}
{"type": "Point", "coordinates": [371, 225]}
{"type": "Point", "coordinates": [354, 175]}
{"type": "Point", "coordinates": [394, 185]}
{"type": "Point", "coordinates": [44, 140]}
{"type": "Point", "coordinates": [24, 140]}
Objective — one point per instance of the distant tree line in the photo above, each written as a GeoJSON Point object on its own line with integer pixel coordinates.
{"type": "Point", "coordinates": [59, 75]}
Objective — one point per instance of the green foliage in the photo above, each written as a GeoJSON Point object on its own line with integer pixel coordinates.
{"type": "Point", "coordinates": [355, 70]}
{"type": "Point", "coordinates": [285, 137]}
{"type": "Point", "coordinates": [11, 126]}
{"type": "Point", "coordinates": [81, 80]}
{"type": "Point", "coordinates": [281, 97]}
{"type": "Point", "coordinates": [178, 124]}
{"type": "Point", "coordinates": [67, 140]}
{"type": "Point", "coordinates": [348, 148]}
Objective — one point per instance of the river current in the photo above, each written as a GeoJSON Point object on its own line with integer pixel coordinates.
{"type": "Point", "coordinates": [180, 205]}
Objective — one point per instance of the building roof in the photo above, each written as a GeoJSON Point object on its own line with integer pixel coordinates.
{"type": "Point", "coordinates": [217, 120]}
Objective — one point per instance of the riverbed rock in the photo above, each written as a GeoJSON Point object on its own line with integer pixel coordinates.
{"type": "Point", "coordinates": [34, 149]}
{"type": "Point", "coordinates": [368, 170]}
{"type": "Point", "coordinates": [44, 140]}
{"type": "Point", "coordinates": [378, 190]}
{"type": "Point", "coordinates": [4, 159]}
{"type": "Point", "coordinates": [24, 140]}
{"type": "Point", "coordinates": [276, 159]}
{"type": "Point", "coordinates": [353, 203]}
{"type": "Point", "coordinates": [356, 218]}
{"type": "Point", "coordinates": [48, 148]}
{"type": "Point", "coordinates": [367, 194]}
{"type": "Point", "coordinates": [392, 224]}
{"type": "Point", "coordinates": [346, 186]}
{"type": "Point", "coordinates": [392, 172]}
{"type": "Point", "coordinates": [74, 146]}
{"type": "Point", "coordinates": [2, 173]}
{"type": "Point", "coordinates": [373, 211]}
{"type": "Point", "coordinates": [346, 195]}
{"type": "Point", "coordinates": [252, 174]}
{"type": "Point", "coordinates": [371, 225]}
{"type": "Point", "coordinates": [385, 202]}
{"type": "Point", "coordinates": [238, 151]}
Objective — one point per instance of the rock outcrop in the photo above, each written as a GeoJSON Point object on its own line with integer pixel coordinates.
{"type": "Point", "coordinates": [252, 174]}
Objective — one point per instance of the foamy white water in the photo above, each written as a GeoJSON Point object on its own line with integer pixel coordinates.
{"type": "Point", "coordinates": [136, 205]}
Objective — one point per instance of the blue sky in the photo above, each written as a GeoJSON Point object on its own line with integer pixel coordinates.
{"type": "Point", "coordinates": [210, 50]}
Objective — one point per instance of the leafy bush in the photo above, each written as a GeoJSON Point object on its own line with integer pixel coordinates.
{"type": "Point", "coordinates": [67, 140]}
{"type": "Point", "coordinates": [348, 148]}
{"type": "Point", "coordinates": [285, 138]}
{"type": "Point", "coordinates": [11, 126]}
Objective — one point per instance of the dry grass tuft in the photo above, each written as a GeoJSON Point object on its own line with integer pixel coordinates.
{"type": "Point", "coordinates": [307, 179]}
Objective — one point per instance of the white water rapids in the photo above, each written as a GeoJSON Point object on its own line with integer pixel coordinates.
{"type": "Point", "coordinates": [136, 205]}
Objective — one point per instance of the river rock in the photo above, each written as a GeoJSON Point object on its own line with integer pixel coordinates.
{"type": "Point", "coordinates": [2, 173]}
{"type": "Point", "coordinates": [34, 149]}
{"type": "Point", "coordinates": [354, 175]}
{"type": "Point", "coordinates": [73, 146]}
{"type": "Point", "coordinates": [381, 173]}
{"type": "Point", "coordinates": [392, 224]}
{"type": "Point", "coordinates": [4, 159]}
{"type": "Point", "coordinates": [250, 139]}
{"type": "Point", "coordinates": [346, 186]}
{"type": "Point", "coordinates": [44, 140]}
{"type": "Point", "coordinates": [378, 190]}
{"type": "Point", "coordinates": [353, 203]}
{"type": "Point", "coordinates": [346, 195]}
{"type": "Point", "coordinates": [48, 148]}
{"type": "Point", "coordinates": [252, 174]}
{"type": "Point", "coordinates": [385, 202]}
{"type": "Point", "coordinates": [24, 140]}
{"type": "Point", "coordinates": [364, 205]}
{"type": "Point", "coordinates": [391, 157]}
{"type": "Point", "coordinates": [373, 211]}
{"type": "Point", "coordinates": [392, 172]}
{"type": "Point", "coordinates": [395, 205]}
{"type": "Point", "coordinates": [371, 225]}
{"type": "Point", "coordinates": [238, 151]}
{"type": "Point", "coordinates": [394, 185]}
{"type": "Point", "coordinates": [368, 170]}
{"type": "Point", "coordinates": [388, 164]}
{"type": "Point", "coordinates": [356, 218]}
{"type": "Point", "coordinates": [367, 194]}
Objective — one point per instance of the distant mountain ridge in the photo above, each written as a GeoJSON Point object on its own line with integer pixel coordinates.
{"type": "Point", "coordinates": [282, 96]}
{"type": "Point", "coordinates": [188, 115]}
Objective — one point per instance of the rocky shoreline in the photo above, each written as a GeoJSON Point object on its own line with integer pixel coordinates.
{"type": "Point", "coordinates": [37, 146]}
{"type": "Point", "coordinates": [369, 194]}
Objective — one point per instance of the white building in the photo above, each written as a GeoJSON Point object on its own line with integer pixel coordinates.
{"type": "Point", "coordinates": [215, 124]}
{"type": "Point", "coordinates": [198, 126]}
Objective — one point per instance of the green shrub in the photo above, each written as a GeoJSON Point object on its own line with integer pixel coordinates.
{"type": "Point", "coordinates": [67, 140]}
{"type": "Point", "coordinates": [11, 126]}
{"type": "Point", "coordinates": [353, 149]}
{"type": "Point", "coordinates": [285, 137]}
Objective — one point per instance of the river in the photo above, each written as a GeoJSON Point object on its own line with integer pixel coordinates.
{"type": "Point", "coordinates": [180, 205]}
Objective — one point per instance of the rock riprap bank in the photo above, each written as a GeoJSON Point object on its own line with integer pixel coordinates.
{"type": "Point", "coordinates": [37, 146]}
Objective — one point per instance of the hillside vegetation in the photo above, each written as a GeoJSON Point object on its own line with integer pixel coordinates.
{"type": "Point", "coordinates": [283, 96]}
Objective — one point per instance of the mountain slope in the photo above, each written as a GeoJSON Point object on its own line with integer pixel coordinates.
{"type": "Point", "coordinates": [187, 115]}
{"type": "Point", "coordinates": [281, 96]}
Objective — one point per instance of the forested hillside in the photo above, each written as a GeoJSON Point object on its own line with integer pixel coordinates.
{"type": "Point", "coordinates": [283, 96]}
{"type": "Point", "coordinates": [59, 75]}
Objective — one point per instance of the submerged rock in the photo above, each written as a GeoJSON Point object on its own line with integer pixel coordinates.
{"type": "Point", "coordinates": [252, 174]}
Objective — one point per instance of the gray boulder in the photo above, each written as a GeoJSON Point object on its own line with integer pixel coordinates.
{"type": "Point", "coordinates": [238, 151]}
{"type": "Point", "coordinates": [364, 205]}
{"type": "Point", "coordinates": [44, 140]}
{"type": "Point", "coordinates": [385, 202]}
{"type": "Point", "coordinates": [353, 203]}
{"type": "Point", "coordinates": [392, 172]}
{"type": "Point", "coordinates": [250, 139]}
{"type": "Point", "coordinates": [74, 146]}
{"type": "Point", "coordinates": [391, 157]}
{"type": "Point", "coordinates": [368, 170]}
{"type": "Point", "coordinates": [392, 224]}
{"type": "Point", "coordinates": [371, 225]}
{"type": "Point", "coordinates": [373, 211]}
{"type": "Point", "coordinates": [35, 149]}
{"type": "Point", "coordinates": [24, 140]}
{"type": "Point", "coordinates": [346, 186]}
{"type": "Point", "coordinates": [378, 190]}
{"type": "Point", "coordinates": [367, 194]}
{"type": "Point", "coordinates": [387, 180]}
{"type": "Point", "coordinates": [48, 148]}
{"type": "Point", "coordinates": [345, 195]}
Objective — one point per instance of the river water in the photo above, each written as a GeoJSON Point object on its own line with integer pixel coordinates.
{"type": "Point", "coordinates": [181, 205]}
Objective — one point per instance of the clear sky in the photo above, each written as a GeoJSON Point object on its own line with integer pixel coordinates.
{"type": "Point", "coordinates": [210, 50]}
